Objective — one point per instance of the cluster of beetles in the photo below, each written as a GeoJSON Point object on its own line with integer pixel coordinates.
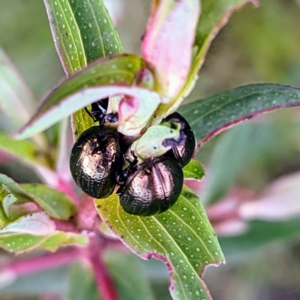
{"type": "Point", "coordinates": [103, 159]}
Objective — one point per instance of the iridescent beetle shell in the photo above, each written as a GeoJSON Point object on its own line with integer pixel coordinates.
{"type": "Point", "coordinates": [183, 152]}
{"type": "Point", "coordinates": [95, 161]}
{"type": "Point", "coordinates": [151, 187]}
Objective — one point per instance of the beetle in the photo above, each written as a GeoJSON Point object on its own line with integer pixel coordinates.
{"type": "Point", "coordinates": [183, 151]}
{"type": "Point", "coordinates": [151, 187]}
{"type": "Point", "coordinates": [96, 160]}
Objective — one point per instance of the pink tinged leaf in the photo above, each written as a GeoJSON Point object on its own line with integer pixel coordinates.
{"type": "Point", "coordinates": [17, 210]}
{"type": "Point", "coordinates": [47, 115]}
{"type": "Point", "coordinates": [110, 76]}
{"type": "Point", "coordinates": [279, 202]}
{"type": "Point", "coordinates": [135, 113]}
{"type": "Point", "coordinates": [181, 237]}
{"type": "Point", "coordinates": [38, 223]}
{"type": "Point", "coordinates": [168, 43]}
{"type": "Point", "coordinates": [231, 227]}
{"type": "Point", "coordinates": [14, 208]}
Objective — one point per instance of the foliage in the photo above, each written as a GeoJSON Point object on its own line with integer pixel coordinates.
{"type": "Point", "coordinates": [51, 214]}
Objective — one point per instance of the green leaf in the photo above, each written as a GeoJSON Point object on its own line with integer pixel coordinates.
{"type": "Point", "coordinates": [83, 32]}
{"type": "Point", "coordinates": [106, 77]}
{"type": "Point", "coordinates": [229, 156]}
{"type": "Point", "coordinates": [38, 223]}
{"type": "Point", "coordinates": [182, 237]}
{"type": "Point", "coordinates": [14, 94]}
{"type": "Point", "coordinates": [4, 220]}
{"type": "Point", "coordinates": [214, 15]}
{"type": "Point", "coordinates": [193, 170]}
{"type": "Point", "coordinates": [17, 101]}
{"type": "Point", "coordinates": [22, 242]}
{"type": "Point", "coordinates": [55, 203]}
{"type": "Point", "coordinates": [210, 116]}
{"type": "Point", "coordinates": [9, 186]}
{"type": "Point", "coordinates": [36, 230]}
{"type": "Point", "coordinates": [62, 238]}
{"type": "Point", "coordinates": [7, 201]}
{"type": "Point", "coordinates": [82, 287]}
{"type": "Point", "coordinates": [259, 234]}
{"type": "Point", "coordinates": [25, 151]}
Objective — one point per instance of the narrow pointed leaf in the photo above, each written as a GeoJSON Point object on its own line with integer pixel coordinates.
{"type": "Point", "coordinates": [22, 242]}
{"type": "Point", "coordinates": [210, 116]}
{"type": "Point", "coordinates": [259, 234]}
{"type": "Point", "coordinates": [55, 203]}
{"type": "Point", "coordinates": [9, 186]}
{"type": "Point", "coordinates": [17, 101]}
{"type": "Point", "coordinates": [214, 15]}
{"type": "Point", "coordinates": [171, 24]}
{"type": "Point", "coordinates": [83, 32]}
{"type": "Point", "coordinates": [36, 230]}
{"type": "Point", "coordinates": [15, 96]}
{"type": "Point", "coordinates": [62, 238]}
{"type": "Point", "coordinates": [182, 238]}
{"type": "Point", "coordinates": [108, 76]}
{"type": "Point", "coordinates": [193, 170]}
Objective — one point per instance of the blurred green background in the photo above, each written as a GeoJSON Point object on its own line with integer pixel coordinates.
{"type": "Point", "coordinates": [258, 45]}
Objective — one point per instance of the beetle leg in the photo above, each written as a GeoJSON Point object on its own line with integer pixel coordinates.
{"type": "Point", "coordinates": [90, 114]}
{"type": "Point", "coordinates": [121, 177]}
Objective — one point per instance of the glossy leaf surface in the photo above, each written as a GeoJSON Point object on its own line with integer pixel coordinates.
{"type": "Point", "coordinates": [193, 170]}
{"type": "Point", "coordinates": [210, 116]}
{"type": "Point", "coordinates": [171, 24]}
{"type": "Point", "coordinates": [182, 237]}
{"type": "Point", "coordinates": [83, 32]}
{"type": "Point", "coordinates": [22, 242]}
{"type": "Point", "coordinates": [106, 77]}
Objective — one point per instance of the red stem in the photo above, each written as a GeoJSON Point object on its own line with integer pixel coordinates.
{"type": "Point", "coordinates": [105, 285]}
{"type": "Point", "coordinates": [65, 226]}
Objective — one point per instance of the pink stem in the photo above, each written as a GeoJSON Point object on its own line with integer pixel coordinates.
{"type": "Point", "coordinates": [105, 285]}
{"type": "Point", "coordinates": [65, 226]}
{"type": "Point", "coordinates": [35, 264]}
{"type": "Point", "coordinates": [65, 187]}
